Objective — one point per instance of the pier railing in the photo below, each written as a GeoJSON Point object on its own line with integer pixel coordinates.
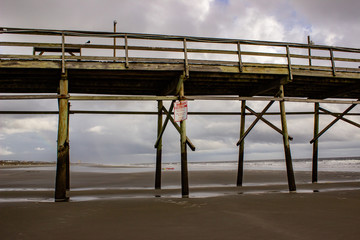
{"type": "Point", "coordinates": [128, 48]}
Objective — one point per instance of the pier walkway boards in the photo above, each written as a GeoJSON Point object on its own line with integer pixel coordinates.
{"type": "Point", "coordinates": [61, 64]}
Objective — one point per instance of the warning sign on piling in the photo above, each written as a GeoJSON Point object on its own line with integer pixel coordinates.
{"type": "Point", "coordinates": [180, 110]}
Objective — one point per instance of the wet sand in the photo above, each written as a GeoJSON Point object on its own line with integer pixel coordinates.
{"type": "Point", "coordinates": [125, 206]}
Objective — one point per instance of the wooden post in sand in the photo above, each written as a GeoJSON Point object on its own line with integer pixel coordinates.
{"type": "Point", "coordinates": [315, 144]}
{"type": "Point", "coordinates": [159, 147]}
{"type": "Point", "coordinates": [241, 147]}
{"type": "Point", "coordinates": [289, 167]}
{"type": "Point", "coordinates": [62, 143]}
{"type": "Point", "coordinates": [68, 155]}
{"type": "Point", "coordinates": [184, 168]}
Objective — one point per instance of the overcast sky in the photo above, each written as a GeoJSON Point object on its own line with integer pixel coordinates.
{"type": "Point", "coordinates": [125, 139]}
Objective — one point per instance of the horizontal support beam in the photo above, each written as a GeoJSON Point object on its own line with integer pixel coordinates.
{"type": "Point", "coordinates": [171, 98]}
{"type": "Point", "coordinates": [285, 99]}
{"type": "Point", "coordinates": [155, 113]}
{"type": "Point", "coordinates": [123, 98]}
{"type": "Point", "coordinates": [29, 97]}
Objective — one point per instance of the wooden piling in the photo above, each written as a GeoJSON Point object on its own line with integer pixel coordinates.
{"type": "Point", "coordinates": [159, 148]}
{"type": "Point", "coordinates": [68, 155]}
{"type": "Point", "coordinates": [241, 146]}
{"type": "Point", "coordinates": [288, 160]}
{"type": "Point", "coordinates": [184, 168]}
{"type": "Point", "coordinates": [315, 144]}
{"type": "Point", "coordinates": [62, 144]}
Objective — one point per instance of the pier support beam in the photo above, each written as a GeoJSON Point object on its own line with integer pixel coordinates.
{"type": "Point", "coordinates": [183, 147]}
{"type": "Point", "coordinates": [63, 159]}
{"type": "Point", "coordinates": [289, 166]}
{"type": "Point", "coordinates": [68, 154]}
{"type": "Point", "coordinates": [241, 146]}
{"type": "Point", "coordinates": [315, 144]}
{"type": "Point", "coordinates": [159, 147]}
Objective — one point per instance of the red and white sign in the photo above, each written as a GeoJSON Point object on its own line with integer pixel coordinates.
{"type": "Point", "coordinates": [180, 110]}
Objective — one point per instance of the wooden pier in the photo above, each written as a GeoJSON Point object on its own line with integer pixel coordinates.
{"type": "Point", "coordinates": [151, 67]}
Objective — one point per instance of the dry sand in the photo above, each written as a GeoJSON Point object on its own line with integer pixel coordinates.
{"type": "Point", "coordinates": [124, 206]}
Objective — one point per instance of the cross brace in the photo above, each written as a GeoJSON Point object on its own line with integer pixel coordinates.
{"type": "Point", "coordinates": [165, 124]}
{"type": "Point", "coordinates": [267, 122]}
{"type": "Point", "coordinates": [169, 117]}
{"type": "Point", "coordinates": [259, 116]}
{"type": "Point", "coordinates": [189, 143]}
{"type": "Point", "coordinates": [342, 118]}
{"type": "Point", "coordinates": [338, 117]}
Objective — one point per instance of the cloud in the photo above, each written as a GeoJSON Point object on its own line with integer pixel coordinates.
{"type": "Point", "coordinates": [26, 125]}
{"type": "Point", "coordinates": [96, 129]}
{"type": "Point", "coordinates": [39, 149]}
{"type": "Point", "coordinates": [5, 151]}
{"type": "Point", "coordinates": [205, 145]}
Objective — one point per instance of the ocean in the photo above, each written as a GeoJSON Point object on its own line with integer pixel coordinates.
{"type": "Point", "coordinates": [328, 164]}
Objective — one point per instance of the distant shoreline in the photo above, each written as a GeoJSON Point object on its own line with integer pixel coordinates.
{"type": "Point", "coordinates": [13, 163]}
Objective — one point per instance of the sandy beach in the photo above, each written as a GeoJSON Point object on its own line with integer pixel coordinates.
{"type": "Point", "coordinates": [112, 205]}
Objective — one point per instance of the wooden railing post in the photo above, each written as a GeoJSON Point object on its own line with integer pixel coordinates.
{"type": "Point", "coordinates": [115, 22]}
{"type": "Point", "coordinates": [289, 62]}
{"type": "Point", "coordinates": [63, 53]}
{"type": "Point", "coordinates": [126, 51]}
{"type": "Point", "coordinates": [332, 62]}
{"type": "Point", "coordinates": [240, 57]}
{"type": "Point", "coordinates": [309, 50]}
{"type": "Point", "coordinates": [186, 62]}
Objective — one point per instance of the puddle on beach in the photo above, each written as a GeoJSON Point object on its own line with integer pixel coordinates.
{"type": "Point", "coordinates": [205, 194]}
{"type": "Point", "coordinates": [18, 200]}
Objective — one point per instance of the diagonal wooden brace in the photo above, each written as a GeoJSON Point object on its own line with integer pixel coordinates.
{"type": "Point", "coordinates": [267, 122]}
{"type": "Point", "coordinates": [189, 143]}
{"type": "Point", "coordinates": [164, 126]}
{"type": "Point", "coordinates": [333, 122]}
{"type": "Point", "coordinates": [342, 118]}
{"type": "Point", "coordinates": [258, 117]}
